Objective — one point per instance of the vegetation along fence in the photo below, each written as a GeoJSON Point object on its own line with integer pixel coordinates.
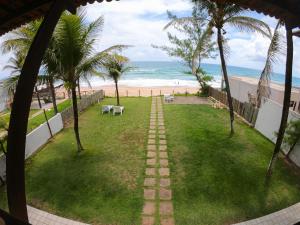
{"type": "Point", "coordinates": [244, 109]}
{"type": "Point", "coordinates": [84, 103]}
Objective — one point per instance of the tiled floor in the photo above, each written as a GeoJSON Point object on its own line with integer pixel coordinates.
{"type": "Point", "coordinates": [287, 216]}
{"type": "Point", "coordinates": [39, 217]}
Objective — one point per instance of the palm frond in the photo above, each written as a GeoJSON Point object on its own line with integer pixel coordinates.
{"type": "Point", "coordinates": [249, 24]}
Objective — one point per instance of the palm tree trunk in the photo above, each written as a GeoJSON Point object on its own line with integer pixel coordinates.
{"type": "Point", "coordinates": [286, 101]}
{"type": "Point", "coordinates": [38, 96]}
{"type": "Point", "coordinates": [75, 115]}
{"type": "Point", "coordinates": [52, 90]}
{"type": "Point", "coordinates": [117, 91]}
{"type": "Point", "coordinates": [78, 86]}
{"type": "Point", "coordinates": [230, 105]}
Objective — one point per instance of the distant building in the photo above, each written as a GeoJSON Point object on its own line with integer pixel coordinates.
{"type": "Point", "coordinates": [243, 88]}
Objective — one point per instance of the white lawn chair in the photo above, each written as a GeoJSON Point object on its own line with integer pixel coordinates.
{"type": "Point", "coordinates": [168, 98]}
{"type": "Point", "coordinates": [118, 109]}
{"type": "Point", "coordinates": [106, 108]}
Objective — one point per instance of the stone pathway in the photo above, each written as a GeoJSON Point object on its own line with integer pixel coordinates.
{"type": "Point", "coordinates": [158, 206]}
{"type": "Point", "coordinates": [39, 217]}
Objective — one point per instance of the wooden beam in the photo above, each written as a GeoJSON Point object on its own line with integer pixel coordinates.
{"type": "Point", "coordinates": [20, 111]}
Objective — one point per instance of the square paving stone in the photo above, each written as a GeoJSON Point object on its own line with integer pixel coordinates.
{"type": "Point", "coordinates": [164, 172]}
{"type": "Point", "coordinates": [151, 147]}
{"type": "Point", "coordinates": [161, 127]}
{"type": "Point", "coordinates": [151, 127]}
{"type": "Point", "coordinates": [151, 162]}
{"type": "Point", "coordinates": [165, 194]}
{"type": "Point", "coordinates": [152, 131]}
{"type": "Point", "coordinates": [162, 136]}
{"type": "Point", "coordinates": [164, 163]}
{"type": "Point", "coordinates": [148, 220]}
{"type": "Point", "coordinates": [161, 131]}
{"type": "Point", "coordinates": [162, 148]}
{"type": "Point", "coordinates": [151, 141]}
{"type": "Point", "coordinates": [166, 208]}
{"type": "Point", "coordinates": [161, 124]}
{"type": "Point", "coordinates": [149, 182]}
{"type": "Point", "coordinates": [152, 124]}
{"type": "Point", "coordinates": [165, 182]}
{"type": "Point", "coordinates": [163, 155]}
{"type": "Point", "coordinates": [151, 136]}
{"type": "Point", "coordinates": [149, 194]}
{"type": "Point", "coordinates": [149, 208]}
{"type": "Point", "coordinates": [150, 172]}
{"type": "Point", "coordinates": [151, 154]}
{"type": "Point", "coordinates": [167, 221]}
{"type": "Point", "coordinates": [162, 142]}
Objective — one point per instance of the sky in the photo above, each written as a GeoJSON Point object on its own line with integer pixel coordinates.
{"type": "Point", "coordinates": [140, 23]}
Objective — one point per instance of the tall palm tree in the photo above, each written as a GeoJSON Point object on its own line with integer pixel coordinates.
{"type": "Point", "coordinates": [73, 54]}
{"type": "Point", "coordinates": [19, 43]}
{"type": "Point", "coordinates": [276, 48]}
{"type": "Point", "coordinates": [219, 14]}
{"type": "Point", "coordinates": [115, 66]}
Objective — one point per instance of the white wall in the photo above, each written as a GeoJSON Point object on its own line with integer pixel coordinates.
{"type": "Point", "coordinates": [36, 139]}
{"type": "Point", "coordinates": [268, 122]}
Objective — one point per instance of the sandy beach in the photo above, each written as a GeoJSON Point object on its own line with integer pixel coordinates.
{"type": "Point", "coordinates": [134, 91]}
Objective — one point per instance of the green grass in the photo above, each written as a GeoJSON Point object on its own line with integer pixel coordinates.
{"type": "Point", "coordinates": [39, 119]}
{"type": "Point", "coordinates": [217, 179]}
{"type": "Point", "coordinates": [103, 184]}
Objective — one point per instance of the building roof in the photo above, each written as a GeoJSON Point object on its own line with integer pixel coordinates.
{"type": "Point", "coordinates": [287, 10]}
{"type": "Point", "coordinates": [14, 13]}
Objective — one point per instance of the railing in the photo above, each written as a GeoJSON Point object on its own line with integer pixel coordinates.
{"type": "Point", "coordinates": [244, 109]}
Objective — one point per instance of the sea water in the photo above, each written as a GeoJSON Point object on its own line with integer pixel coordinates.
{"type": "Point", "coordinates": [152, 74]}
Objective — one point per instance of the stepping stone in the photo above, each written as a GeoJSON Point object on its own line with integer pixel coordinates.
{"type": "Point", "coordinates": [161, 127]}
{"type": "Point", "coordinates": [150, 172]}
{"type": "Point", "coordinates": [165, 182]}
{"type": "Point", "coordinates": [165, 194]}
{"type": "Point", "coordinates": [163, 163]}
{"type": "Point", "coordinates": [152, 127]}
{"type": "Point", "coordinates": [152, 131]}
{"type": "Point", "coordinates": [166, 208]}
{"type": "Point", "coordinates": [152, 120]}
{"type": "Point", "coordinates": [151, 147]}
{"type": "Point", "coordinates": [151, 141]}
{"type": "Point", "coordinates": [152, 124]}
{"type": "Point", "coordinates": [149, 194]}
{"type": "Point", "coordinates": [164, 172]}
{"type": "Point", "coordinates": [162, 142]}
{"type": "Point", "coordinates": [162, 148]}
{"type": "Point", "coordinates": [163, 155]}
{"type": "Point", "coordinates": [151, 162]}
{"type": "Point", "coordinates": [161, 124]}
{"type": "Point", "coordinates": [148, 220]}
{"type": "Point", "coordinates": [151, 154]}
{"type": "Point", "coordinates": [167, 221]}
{"type": "Point", "coordinates": [161, 131]}
{"type": "Point", "coordinates": [149, 208]}
{"type": "Point", "coordinates": [151, 136]}
{"type": "Point", "coordinates": [149, 182]}
{"type": "Point", "coordinates": [162, 136]}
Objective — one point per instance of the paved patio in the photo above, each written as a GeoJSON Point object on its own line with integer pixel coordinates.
{"type": "Point", "coordinates": [39, 217]}
{"type": "Point", "coordinates": [287, 216]}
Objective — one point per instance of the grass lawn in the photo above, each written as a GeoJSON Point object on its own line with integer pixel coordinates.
{"type": "Point", "coordinates": [102, 185]}
{"type": "Point", "coordinates": [217, 179]}
{"type": "Point", "coordinates": [39, 119]}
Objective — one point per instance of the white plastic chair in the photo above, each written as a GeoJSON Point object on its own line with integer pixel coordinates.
{"type": "Point", "coordinates": [118, 109]}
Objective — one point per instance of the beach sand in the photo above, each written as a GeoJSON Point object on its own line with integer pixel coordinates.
{"type": "Point", "coordinates": [134, 91]}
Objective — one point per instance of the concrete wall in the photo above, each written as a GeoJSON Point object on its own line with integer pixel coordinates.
{"type": "Point", "coordinates": [239, 90]}
{"type": "Point", "coordinates": [36, 139]}
{"type": "Point", "coordinates": [268, 122]}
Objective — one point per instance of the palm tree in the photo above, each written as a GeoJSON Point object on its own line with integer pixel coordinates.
{"type": "Point", "coordinates": [20, 43]}
{"type": "Point", "coordinates": [115, 66]}
{"type": "Point", "coordinates": [73, 55]}
{"type": "Point", "coordinates": [276, 47]}
{"type": "Point", "coordinates": [220, 14]}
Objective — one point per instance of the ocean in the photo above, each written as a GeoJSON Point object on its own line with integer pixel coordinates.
{"type": "Point", "coordinates": [155, 74]}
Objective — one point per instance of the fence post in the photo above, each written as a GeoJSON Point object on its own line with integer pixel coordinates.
{"type": "Point", "coordinates": [139, 93]}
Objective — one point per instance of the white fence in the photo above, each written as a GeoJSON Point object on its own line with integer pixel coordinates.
{"type": "Point", "coordinates": [268, 122]}
{"type": "Point", "coordinates": [36, 139]}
